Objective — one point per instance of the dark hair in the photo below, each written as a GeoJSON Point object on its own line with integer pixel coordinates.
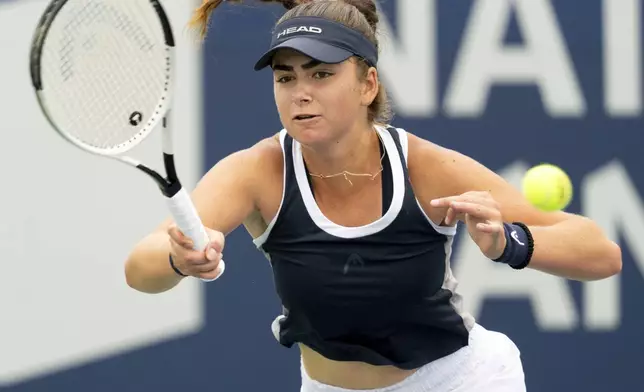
{"type": "Point", "coordinates": [360, 15]}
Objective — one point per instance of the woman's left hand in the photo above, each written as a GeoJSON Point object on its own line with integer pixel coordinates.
{"type": "Point", "coordinates": [482, 215]}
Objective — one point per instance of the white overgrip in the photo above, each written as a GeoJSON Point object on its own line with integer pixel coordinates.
{"type": "Point", "coordinates": [188, 221]}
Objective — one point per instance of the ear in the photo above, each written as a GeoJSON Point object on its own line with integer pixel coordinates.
{"type": "Point", "coordinates": [370, 87]}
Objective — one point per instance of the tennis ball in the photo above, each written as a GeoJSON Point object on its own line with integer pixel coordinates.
{"type": "Point", "coordinates": [547, 187]}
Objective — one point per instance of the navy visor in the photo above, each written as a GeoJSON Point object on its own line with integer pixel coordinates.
{"type": "Point", "coordinates": [321, 39]}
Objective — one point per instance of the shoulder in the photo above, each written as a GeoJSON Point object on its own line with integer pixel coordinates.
{"type": "Point", "coordinates": [416, 148]}
{"type": "Point", "coordinates": [267, 151]}
{"type": "Point", "coordinates": [436, 171]}
{"type": "Point", "coordinates": [449, 171]}
{"type": "Point", "coordinates": [263, 154]}
{"type": "Point", "coordinates": [265, 164]}
{"type": "Point", "coordinates": [429, 163]}
{"type": "Point", "coordinates": [250, 167]}
{"type": "Point", "coordinates": [423, 151]}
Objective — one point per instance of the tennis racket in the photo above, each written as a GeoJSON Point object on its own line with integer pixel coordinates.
{"type": "Point", "coordinates": [102, 72]}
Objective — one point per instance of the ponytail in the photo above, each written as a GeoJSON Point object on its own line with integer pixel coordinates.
{"type": "Point", "coordinates": [201, 16]}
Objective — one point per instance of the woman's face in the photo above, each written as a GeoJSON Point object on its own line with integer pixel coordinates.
{"type": "Point", "coordinates": [318, 102]}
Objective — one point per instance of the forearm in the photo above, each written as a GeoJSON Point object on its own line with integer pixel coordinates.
{"type": "Point", "coordinates": [147, 269]}
{"type": "Point", "coordinates": [575, 249]}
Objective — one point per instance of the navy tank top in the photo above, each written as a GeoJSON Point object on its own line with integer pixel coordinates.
{"type": "Point", "coordinates": [381, 293]}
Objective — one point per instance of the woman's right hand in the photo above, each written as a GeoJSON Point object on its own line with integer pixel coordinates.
{"type": "Point", "coordinates": [203, 264]}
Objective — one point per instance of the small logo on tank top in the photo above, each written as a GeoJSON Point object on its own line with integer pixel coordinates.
{"type": "Point", "coordinates": [353, 260]}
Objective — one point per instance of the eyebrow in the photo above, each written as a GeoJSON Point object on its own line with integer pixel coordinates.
{"type": "Point", "coordinates": [309, 65]}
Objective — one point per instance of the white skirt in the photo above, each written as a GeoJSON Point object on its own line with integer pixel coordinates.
{"type": "Point", "coordinates": [490, 363]}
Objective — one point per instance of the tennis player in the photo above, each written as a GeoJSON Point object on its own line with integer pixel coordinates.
{"type": "Point", "coordinates": [357, 219]}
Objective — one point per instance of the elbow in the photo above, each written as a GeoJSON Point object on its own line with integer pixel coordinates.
{"type": "Point", "coordinates": [130, 275]}
{"type": "Point", "coordinates": [142, 269]}
{"type": "Point", "coordinates": [133, 276]}
{"type": "Point", "coordinates": [609, 264]}
{"type": "Point", "coordinates": [138, 279]}
{"type": "Point", "coordinates": [134, 281]}
{"type": "Point", "coordinates": [608, 256]}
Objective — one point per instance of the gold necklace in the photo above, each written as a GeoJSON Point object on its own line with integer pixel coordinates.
{"type": "Point", "coordinates": [348, 173]}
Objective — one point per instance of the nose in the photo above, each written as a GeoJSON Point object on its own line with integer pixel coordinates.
{"type": "Point", "coordinates": [302, 95]}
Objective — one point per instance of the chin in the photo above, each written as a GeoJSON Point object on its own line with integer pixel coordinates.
{"type": "Point", "coordinates": [311, 135]}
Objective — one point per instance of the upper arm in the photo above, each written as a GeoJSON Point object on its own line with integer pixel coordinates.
{"type": "Point", "coordinates": [228, 192]}
{"type": "Point", "coordinates": [440, 172]}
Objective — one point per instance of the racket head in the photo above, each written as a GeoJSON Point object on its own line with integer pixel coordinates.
{"type": "Point", "coordinates": [102, 71]}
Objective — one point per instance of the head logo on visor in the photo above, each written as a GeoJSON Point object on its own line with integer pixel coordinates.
{"type": "Point", "coordinates": [321, 39]}
{"type": "Point", "coordinates": [300, 29]}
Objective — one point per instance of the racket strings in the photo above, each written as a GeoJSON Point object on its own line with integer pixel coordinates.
{"type": "Point", "coordinates": [105, 70]}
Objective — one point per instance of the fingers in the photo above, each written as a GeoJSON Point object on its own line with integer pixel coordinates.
{"type": "Point", "coordinates": [451, 217]}
{"type": "Point", "coordinates": [195, 263]}
{"type": "Point", "coordinates": [195, 257]}
{"type": "Point", "coordinates": [198, 263]}
{"type": "Point", "coordinates": [210, 275]}
{"type": "Point", "coordinates": [477, 211]}
{"type": "Point", "coordinates": [211, 270]}
{"type": "Point", "coordinates": [482, 215]}
{"type": "Point", "coordinates": [479, 205]}
{"type": "Point", "coordinates": [217, 240]}
{"type": "Point", "coordinates": [478, 197]}
{"type": "Point", "coordinates": [490, 228]}
{"type": "Point", "coordinates": [177, 236]}
{"type": "Point", "coordinates": [211, 266]}
{"type": "Point", "coordinates": [459, 210]}
{"type": "Point", "coordinates": [207, 263]}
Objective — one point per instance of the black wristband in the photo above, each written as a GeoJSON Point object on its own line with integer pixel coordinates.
{"type": "Point", "coordinates": [519, 246]}
{"type": "Point", "coordinates": [174, 267]}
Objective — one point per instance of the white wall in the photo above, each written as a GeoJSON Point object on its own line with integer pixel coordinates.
{"type": "Point", "coordinates": [68, 219]}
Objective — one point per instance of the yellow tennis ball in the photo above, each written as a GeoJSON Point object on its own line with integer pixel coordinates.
{"type": "Point", "coordinates": [547, 187]}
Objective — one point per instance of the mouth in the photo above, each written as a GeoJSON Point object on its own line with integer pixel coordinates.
{"type": "Point", "coordinates": [304, 117]}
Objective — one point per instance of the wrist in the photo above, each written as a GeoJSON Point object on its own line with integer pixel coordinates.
{"type": "Point", "coordinates": [174, 267]}
{"type": "Point", "coordinates": [519, 246]}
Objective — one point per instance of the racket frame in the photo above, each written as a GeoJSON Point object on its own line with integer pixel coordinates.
{"type": "Point", "coordinates": [162, 107]}
{"type": "Point", "coordinates": [177, 198]}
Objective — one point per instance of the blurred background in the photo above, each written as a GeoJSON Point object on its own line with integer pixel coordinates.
{"type": "Point", "coordinates": [512, 83]}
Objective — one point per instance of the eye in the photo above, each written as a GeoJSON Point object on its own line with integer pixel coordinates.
{"type": "Point", "coordinates": [283, 79]}
{"type": "Point", "coordinates": [321, 75]}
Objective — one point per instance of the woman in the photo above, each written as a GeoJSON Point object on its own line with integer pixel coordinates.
{"type": "Point", "coordinates": [357, 219]}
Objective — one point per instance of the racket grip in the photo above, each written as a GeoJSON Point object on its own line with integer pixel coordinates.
{"type": "Point", "coordinates": [188, 221]}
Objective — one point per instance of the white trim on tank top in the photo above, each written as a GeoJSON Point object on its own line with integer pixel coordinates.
{"type": "Point", "coordinates": [402, 134]}
{"type": "Point", "coordinates": [259, 241]}
{"type": "Point", "coordinates": [336, 230]}
{"type": "Point", "coordinates": [444, 230]}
